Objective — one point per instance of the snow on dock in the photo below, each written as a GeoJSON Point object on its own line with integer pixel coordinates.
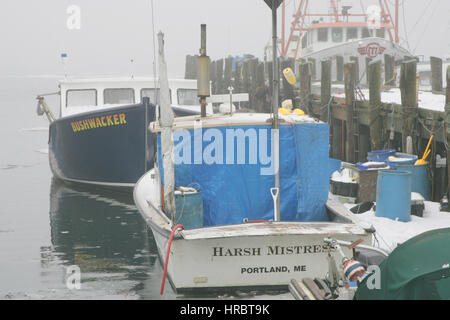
{"type": "Point", "coordinates": [390, 233]}
{"type": "Point", "coordinates": [427, 99]}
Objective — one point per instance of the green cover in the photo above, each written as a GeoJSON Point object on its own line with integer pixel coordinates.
{"type": "Point", "coordinates": [418, 269]}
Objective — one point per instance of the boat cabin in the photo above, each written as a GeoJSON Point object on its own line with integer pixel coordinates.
{"type": "Point", "coordinates": [319, 36]}
{"type": "Point", "coordinates": [84, 95]}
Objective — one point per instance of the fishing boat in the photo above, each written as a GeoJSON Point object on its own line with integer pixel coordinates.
{"type": "Point", "coordinates": [226, 210]}
{"type": "Point", "coordinates": [100, 136]}
{"type": "Point", "coordinates": [344, 34]}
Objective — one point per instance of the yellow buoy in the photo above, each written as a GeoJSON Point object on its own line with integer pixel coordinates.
{"type": "Point", "coordinates": [290, 76]}
{"type": "Point", "coordinates": [299, 112]}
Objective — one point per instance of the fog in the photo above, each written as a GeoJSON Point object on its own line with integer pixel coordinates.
{"type": "Point", "coordinates": [112, 33]}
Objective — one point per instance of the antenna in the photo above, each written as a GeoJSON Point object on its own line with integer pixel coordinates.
{"type": "Point", "coordinates": [64, 62]}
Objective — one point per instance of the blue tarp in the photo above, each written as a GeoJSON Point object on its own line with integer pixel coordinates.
{"type": "Point", "coordinates": [235, 187]}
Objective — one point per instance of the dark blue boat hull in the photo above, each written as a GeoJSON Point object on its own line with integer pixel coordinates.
{"type": "Point", "coordinates": [109, 147]}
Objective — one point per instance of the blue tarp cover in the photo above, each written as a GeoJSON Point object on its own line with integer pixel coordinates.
{"type": "Point", "coordinates": [234, 190]}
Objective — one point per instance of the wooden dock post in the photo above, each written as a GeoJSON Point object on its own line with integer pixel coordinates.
{"type": "Point", "coordinates": [313, 68]}
{"type": "Point", "coordinates": [350, 83]}
{"type": "Point", "coordinates": [408, 88]}
{"type": "Point", "coordinates": [356, 69]}
{"type": "Point", "coordinates": [389, 70]}
{"type": "Point", "coordinates": [375, 123]}
{"type": "Point", "coordinates": [325, 88]}
{"type": "Point", "coordinates": [368, 60]}
{"type": "Point", "coordinates": [339, 68]}
{"type": "Point", "coordinates": [219, 77]}
{"type": "Point", "coordinates": [436, 75]}
{"type": "Point", "coordinates": [305, 86]}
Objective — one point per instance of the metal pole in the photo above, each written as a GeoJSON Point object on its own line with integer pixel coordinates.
{"type": "Point", "coordinates": [275, 104]}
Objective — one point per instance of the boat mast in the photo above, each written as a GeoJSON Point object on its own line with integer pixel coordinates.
{"type": "Point", "coordinates": [166, 122]}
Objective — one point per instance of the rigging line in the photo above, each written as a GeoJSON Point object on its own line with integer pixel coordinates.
{"type": "Point", "coordinates": [404, 26]}
{"type": "Point", "coordinates": [428, 23]}
{"type": "Point", "coordinates": [421, 16]}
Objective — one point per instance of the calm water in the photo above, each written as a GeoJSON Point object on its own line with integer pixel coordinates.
{"type": "Point", "coordinates": [47, 225]}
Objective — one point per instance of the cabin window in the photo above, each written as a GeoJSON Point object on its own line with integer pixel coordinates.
{"type": "Point", "coordinates": [322, 34]}
{"type": "Point", "coordinates": [365, 33]}
{"type": "Point", "coordinates": [81, 98]}
{"type": "Point", "coordinates": [118, 96]}
{"type": "Point", "coordinates": [305, 41]}
{"type": "Point", "coordinates": [154, 95]}
{"type": "Point", "coordinates": [188, 97]}
{"type": "Point", "coordinates": [380, 33]}
{"type": "Point", "coordinates": [337, 34]}
{"type": "Point", "coordinates": [352, 33]}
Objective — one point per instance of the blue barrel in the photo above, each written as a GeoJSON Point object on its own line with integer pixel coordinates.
{"type": "Point", "coordinates": [394, 195]}
{"type": "Point", "coordinates": [189, 209]}
{"type": "Point", "coordinates": [420, 182]}
{"type": "Point", "coordinates": [380, 155]}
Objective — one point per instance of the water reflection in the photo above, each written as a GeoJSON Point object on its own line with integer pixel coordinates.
{"type": "Point", "coordinates": [103, 234]}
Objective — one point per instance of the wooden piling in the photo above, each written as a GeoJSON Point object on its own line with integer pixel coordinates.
{"type": "Point", "coordinates": [313, 68]}
{"type": "Point", "coordinates": [350, 83]}
{"type": "Point", "coordinates": [339, 68]}
{"type": "Point", "coordinates": [368, 60]}
{"type": "Point", "coordinates": [375, 123]}
{"type": "Point", "coordinates": [389, 70]}
{"type": "Point", "coordinates": [325, 88]}
{"type": "Point", "coordinates": [219, 77]}
{"type": "Point", "coordinates": [305, 86]}
{"type": "Point", "coordinates": [436, 75]}
{"type": "Point", "coordinates": [408, 88]}
{"type": "Point", "coordinates": [356, 69]}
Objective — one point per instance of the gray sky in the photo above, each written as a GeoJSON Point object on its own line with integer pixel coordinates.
{"type": "Point", "coordinates": [34, 33]}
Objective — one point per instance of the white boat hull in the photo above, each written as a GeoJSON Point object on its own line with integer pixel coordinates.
{"type": "Point", "coordinates": [250, 255]}
{"type": "Point", "coordinates": [245, 261]}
